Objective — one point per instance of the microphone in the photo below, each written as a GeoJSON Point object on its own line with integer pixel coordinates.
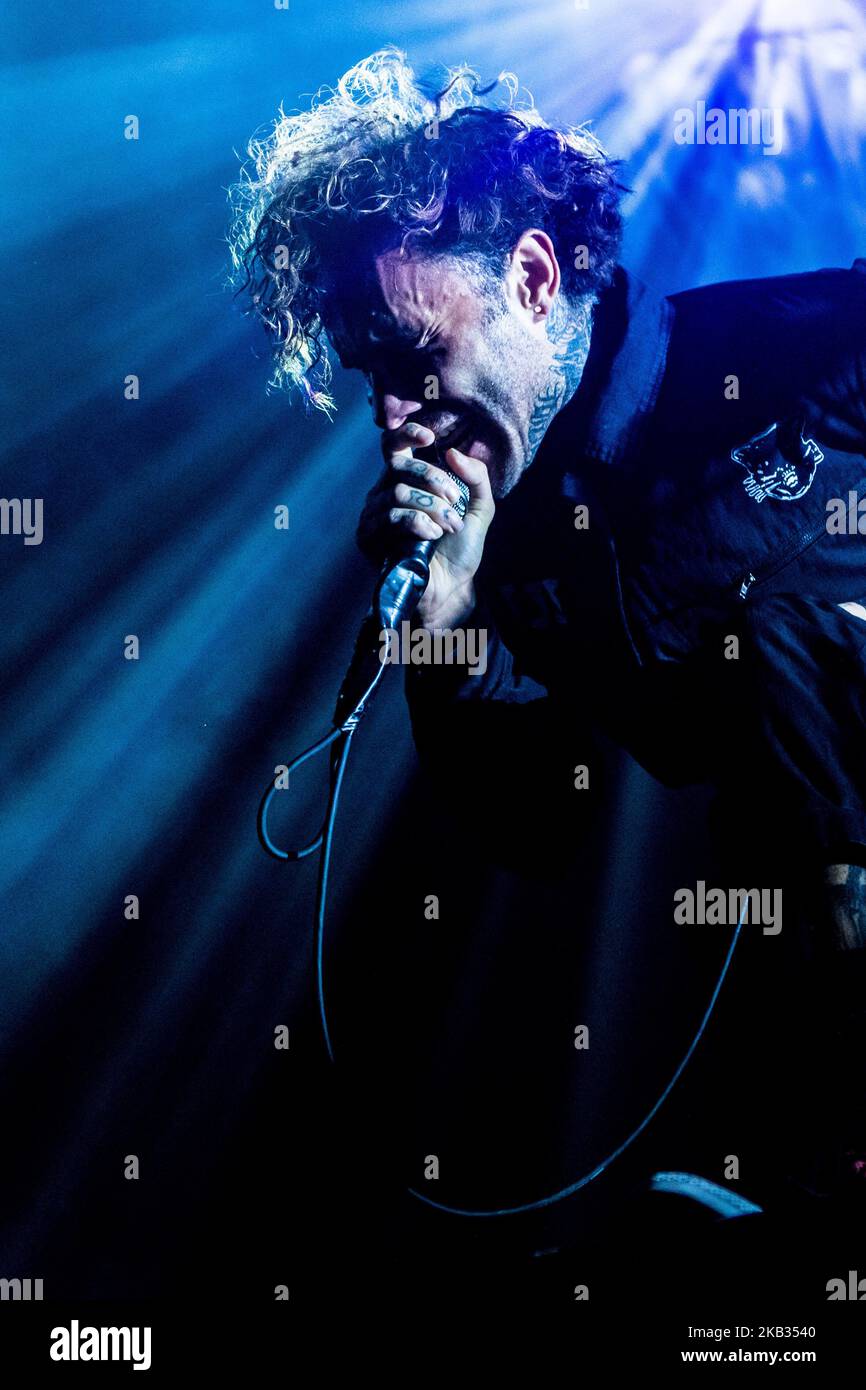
{"type": "Point", "coordinates": [406, 575]}
{"type": "Point", "coordinates": [399, 589]}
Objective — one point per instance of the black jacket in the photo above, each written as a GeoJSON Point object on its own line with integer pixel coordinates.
{"type": "Point", "coordinates": [706, 438]}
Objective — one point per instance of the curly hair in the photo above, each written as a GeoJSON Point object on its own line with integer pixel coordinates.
{"type": "Point", "coordinates": [376, 164]}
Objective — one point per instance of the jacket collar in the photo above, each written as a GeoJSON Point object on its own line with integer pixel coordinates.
{"type": "Point", "coordinates": [607, 414]}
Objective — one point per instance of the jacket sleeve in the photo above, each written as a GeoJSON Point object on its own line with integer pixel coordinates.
{"type": "Point", "coordinates": [500, 755]}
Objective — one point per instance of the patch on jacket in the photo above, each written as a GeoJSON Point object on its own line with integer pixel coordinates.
{"type": "Point", "coordinates": [784, 473]}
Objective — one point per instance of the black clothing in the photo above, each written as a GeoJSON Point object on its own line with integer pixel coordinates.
{"type": "Point", "coordinates": [709, 434]}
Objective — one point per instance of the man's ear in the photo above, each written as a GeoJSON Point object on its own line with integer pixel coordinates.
{"type": "Point", "coordinates": [533, 277]}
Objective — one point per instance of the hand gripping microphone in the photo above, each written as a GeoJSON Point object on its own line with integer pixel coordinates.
{"type": "Point", "coordinates": [399, 589]}
{"type": "Point", "coordinates": [404, 578]}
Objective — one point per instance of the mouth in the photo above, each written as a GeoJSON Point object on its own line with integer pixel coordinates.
{"type": "Point", "coordinates": [454, 435]}
{"type": "Point", "coordinates": [470, 433]}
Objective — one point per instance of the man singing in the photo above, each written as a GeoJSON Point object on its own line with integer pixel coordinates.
{"type": "Point", "coordinates": [661, 540]}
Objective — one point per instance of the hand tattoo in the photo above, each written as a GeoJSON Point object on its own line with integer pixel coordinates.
{"type": "Point", "coordinates": [416, 466]}
{"type": "Point", "coordinates": [421, 499]}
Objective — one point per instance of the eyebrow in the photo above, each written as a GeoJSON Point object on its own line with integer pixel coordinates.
{"type": "Point", "coordinates": [395, 337]}
{"type": "Point", "coordinates": [393, 333]}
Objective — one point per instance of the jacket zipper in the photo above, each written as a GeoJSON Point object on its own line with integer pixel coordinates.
{"type": "Point", "coordinates": [802, 543]}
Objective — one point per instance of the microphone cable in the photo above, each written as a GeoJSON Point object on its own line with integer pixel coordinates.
{"type": "Point", "coordinates": [362, 677]}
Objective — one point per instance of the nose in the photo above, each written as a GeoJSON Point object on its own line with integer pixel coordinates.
{"type": "Point", "coordinates": [389, 411]}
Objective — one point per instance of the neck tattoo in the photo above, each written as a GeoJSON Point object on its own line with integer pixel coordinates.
{"type": "Point", "coordinates": [569, 330]}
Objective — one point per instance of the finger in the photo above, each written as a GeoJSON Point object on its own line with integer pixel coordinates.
{"type": "Point", "coordinates": [376, 527]}
{"type": "Point", "coordinates": [400, 442]}
{"type": "Point", "coordinates": [434, 479]}
{"type": "Point", "coordinates": [415, 523]}
{"type": "Point", "coordinates": [423, 500]}
{"type": "Point", "coordinates": [474, 474]}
